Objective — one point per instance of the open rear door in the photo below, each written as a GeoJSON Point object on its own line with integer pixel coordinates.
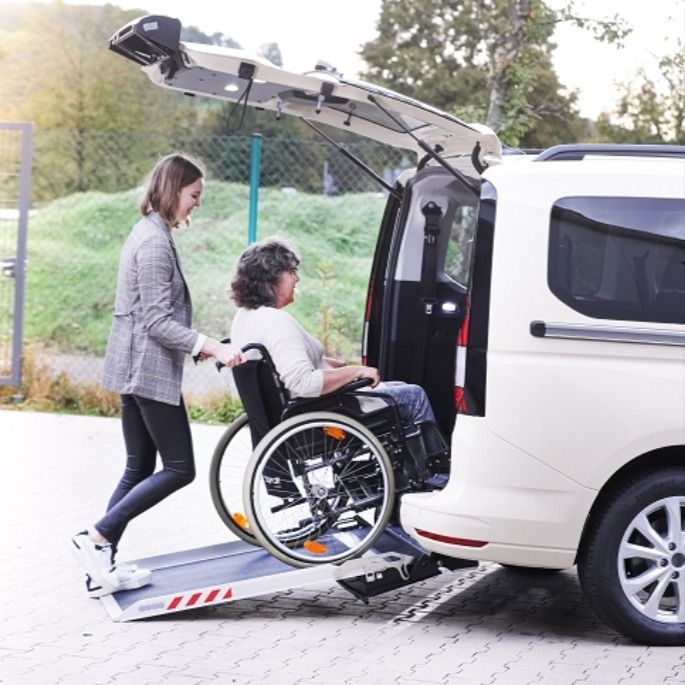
{"type": "Point", "coordinates": [322, 95]}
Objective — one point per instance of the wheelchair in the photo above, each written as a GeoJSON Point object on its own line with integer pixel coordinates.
{"type": "Point", "coordinates": [314, 480]}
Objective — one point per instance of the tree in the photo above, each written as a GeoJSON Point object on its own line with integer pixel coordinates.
{"type": "Point", "coordinates": [192, 34]}
{"type": "Point", "coordinates": [488, 60]}
{"type": "Point", "coordinates": [655, 111]}
{"type": "Point", "coordinates": [272, 52]}
{"type": "Point", "coordinates": [59, 74]}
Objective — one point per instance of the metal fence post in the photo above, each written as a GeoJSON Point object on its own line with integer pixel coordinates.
{"type": "Point", "coordinates": [13, 266]}
{"type": "Point", "coordinates": [255, 163]}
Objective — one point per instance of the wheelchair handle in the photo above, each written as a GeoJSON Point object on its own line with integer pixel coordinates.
{"type": "Point", "coordinates": [246, 348]}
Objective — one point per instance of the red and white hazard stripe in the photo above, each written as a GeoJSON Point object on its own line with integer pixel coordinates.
{"type": "Point", "coordinates": [202, 598]}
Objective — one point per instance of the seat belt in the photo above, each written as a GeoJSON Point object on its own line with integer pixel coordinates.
{"type": "Point", "coordinates": [429, 263]}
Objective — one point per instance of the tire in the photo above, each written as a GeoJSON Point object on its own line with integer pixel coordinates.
{"type": "Point", "coordinates": [226, 475]}
{"type": "Point", "coordinates": [632, 560]}
{"type": "Point", "coordinates": [319, 489]}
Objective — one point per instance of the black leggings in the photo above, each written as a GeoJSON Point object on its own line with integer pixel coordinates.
{"type": "Point", "coordinates": [149, 426]}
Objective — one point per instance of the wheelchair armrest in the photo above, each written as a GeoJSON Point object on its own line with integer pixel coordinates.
{"type": "Point", "coordinates": [350, 387]}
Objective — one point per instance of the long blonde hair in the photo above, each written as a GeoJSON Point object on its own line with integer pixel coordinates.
{"type": "Point", "coordinates": [164, 183]}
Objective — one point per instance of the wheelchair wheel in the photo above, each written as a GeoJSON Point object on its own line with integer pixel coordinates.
{"type": "Point", "coordinates": [319, 488]}
{"type": "Point", "coordinates": [226, 476]}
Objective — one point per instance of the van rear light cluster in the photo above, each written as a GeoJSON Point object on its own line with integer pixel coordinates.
{"type": "Point", "coordinates": [460, 363]}
{"type": "Point", "coordinates": [462, 542]}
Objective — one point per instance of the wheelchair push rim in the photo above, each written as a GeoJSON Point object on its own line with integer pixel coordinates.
{"type": "Point", "coordinates": [319, 489]}
{"type": "Point", "coordinates": [227, 475]}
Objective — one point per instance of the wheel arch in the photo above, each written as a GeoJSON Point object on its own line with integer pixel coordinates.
{"type": "Point", "coordinates": [672, 455]}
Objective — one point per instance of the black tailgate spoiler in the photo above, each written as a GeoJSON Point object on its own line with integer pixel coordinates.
{"type": "Point", "coordinates": [148, 39]}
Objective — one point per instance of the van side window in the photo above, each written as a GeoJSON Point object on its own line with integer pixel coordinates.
{"type": "Point", "coordinates": [619, 258]}
{"type": "Point", "coordinates": [460, 244]}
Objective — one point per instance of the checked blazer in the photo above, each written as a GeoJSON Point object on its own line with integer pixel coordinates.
{"type": "Point", "coordinates": [151, 332]}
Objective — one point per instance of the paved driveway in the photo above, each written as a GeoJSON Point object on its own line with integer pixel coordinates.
{"type": "Point", "coordinates": [479, 626]}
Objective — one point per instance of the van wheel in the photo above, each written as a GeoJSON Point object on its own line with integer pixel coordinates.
{"type": "Point", "coordinates": [632, 560]}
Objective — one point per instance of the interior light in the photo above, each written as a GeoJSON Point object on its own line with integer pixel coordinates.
{"type": "Point", "coordinates": [232, 88]}
{"type": "Point", "coordinates": [449, 307]}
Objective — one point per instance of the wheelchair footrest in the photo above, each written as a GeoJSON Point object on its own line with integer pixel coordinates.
{"type": "Point", "coordinates": [420, 568]}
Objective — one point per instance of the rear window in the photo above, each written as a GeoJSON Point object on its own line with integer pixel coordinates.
{"type": "Point", "coordinates": [619, 258]}
{"type": "Point", "coordinates": [460, 245]}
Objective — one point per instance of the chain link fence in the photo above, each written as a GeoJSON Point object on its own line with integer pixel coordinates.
{"type": "Point", "coordinates": [67, 162]}
{"type": "Point", "coordinates": [85, 204]}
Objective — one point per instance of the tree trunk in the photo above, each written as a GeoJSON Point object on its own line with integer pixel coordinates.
{"type": "Point", "coordinates": [506, 49]}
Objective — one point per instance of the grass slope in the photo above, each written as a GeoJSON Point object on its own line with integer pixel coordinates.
{"type": "Point", "coordinates": [74, 245]}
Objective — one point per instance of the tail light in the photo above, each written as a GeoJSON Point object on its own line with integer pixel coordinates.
{"type": "Point", "coordinates": [460, 363]}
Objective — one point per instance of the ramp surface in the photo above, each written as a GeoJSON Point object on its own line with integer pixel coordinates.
{"type": "Point", "coordinates": [234, 570]}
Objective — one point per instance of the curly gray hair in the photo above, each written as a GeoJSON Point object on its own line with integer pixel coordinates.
{"type": "Point", "coordinates": [258, 272]}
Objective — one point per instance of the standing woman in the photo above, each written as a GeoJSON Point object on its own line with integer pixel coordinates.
{"type": "Point", "coordinates": [150, 336]}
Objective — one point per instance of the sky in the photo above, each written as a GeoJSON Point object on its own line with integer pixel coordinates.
{"type": "Point", "coordinates": [333, 30]}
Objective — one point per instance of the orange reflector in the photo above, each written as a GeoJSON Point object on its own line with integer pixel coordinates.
{"type": "Point", "coordinates": [335, 433]}
{"type": "Point", "coordinates": [463, 542]}
{"type": "Point", "coordinates": [241, 520]}
{"type": "Point", "coordinates": [315, 547]}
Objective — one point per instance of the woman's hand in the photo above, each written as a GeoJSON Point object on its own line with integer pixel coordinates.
{"type": "Point", "coordinates": [333, 379]}
{"type": "Point", "coordinates": [369, 372]}
{"type": "Point", "coordinates": [227, 354]}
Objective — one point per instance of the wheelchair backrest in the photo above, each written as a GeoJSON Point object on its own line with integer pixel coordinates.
{"type": "Point", "coordinates": [261, 391]}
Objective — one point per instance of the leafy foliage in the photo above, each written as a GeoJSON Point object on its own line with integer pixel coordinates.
{"type": "Point", "coordinates": [88, 91]}
{"type": "Point", "coordinates": [654, 116]}
{"type": "Point", "coordinates": [482, 60]}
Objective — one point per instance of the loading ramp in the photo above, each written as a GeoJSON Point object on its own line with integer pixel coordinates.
{"type": "Point", "coordinates": [231, 571]}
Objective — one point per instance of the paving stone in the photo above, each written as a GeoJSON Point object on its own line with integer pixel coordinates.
{"type": "Point", "coordinates": [472, 627]}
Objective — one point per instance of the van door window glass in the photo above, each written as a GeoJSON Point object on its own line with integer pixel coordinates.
{"type": "Point", "coordinates": [619, 258]}
{"type": "Point", "coordinates": [460, 244]}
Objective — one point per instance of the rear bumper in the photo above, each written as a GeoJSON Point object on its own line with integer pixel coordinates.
{"type": "Point", "coordinates": [525, 512]}
{"type": "Point", "coordinates": [416, 517]}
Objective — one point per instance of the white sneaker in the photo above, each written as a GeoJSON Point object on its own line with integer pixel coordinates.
{"type": "Point", "coordinates": [122, 577]}
{"type": "Point", "coordinates": [103, 575]}
{"type": "Point", "coordinates": [96, 559]}
{"type": "Point", "coordinates": [126, 566]}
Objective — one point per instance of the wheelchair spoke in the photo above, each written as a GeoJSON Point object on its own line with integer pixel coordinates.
{"type": "Point", "coordinates": [317, 478]}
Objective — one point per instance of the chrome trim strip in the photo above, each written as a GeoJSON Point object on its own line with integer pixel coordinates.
{"type": "Point", "coordinates": [572, 331]}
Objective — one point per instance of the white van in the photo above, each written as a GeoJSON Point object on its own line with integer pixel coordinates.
{"type": "Point", "coordinates": [540, 301]}
{"type": "Point", "coordinates": [570, 444]}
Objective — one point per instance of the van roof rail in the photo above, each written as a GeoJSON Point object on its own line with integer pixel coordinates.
{"type": "Point", "coordinates": [506, 150]}
{"type": "Point", "coordinates": [582, 150]}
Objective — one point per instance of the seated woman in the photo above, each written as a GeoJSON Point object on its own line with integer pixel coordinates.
{"type": "Point", "coordinates": [263, 285]}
